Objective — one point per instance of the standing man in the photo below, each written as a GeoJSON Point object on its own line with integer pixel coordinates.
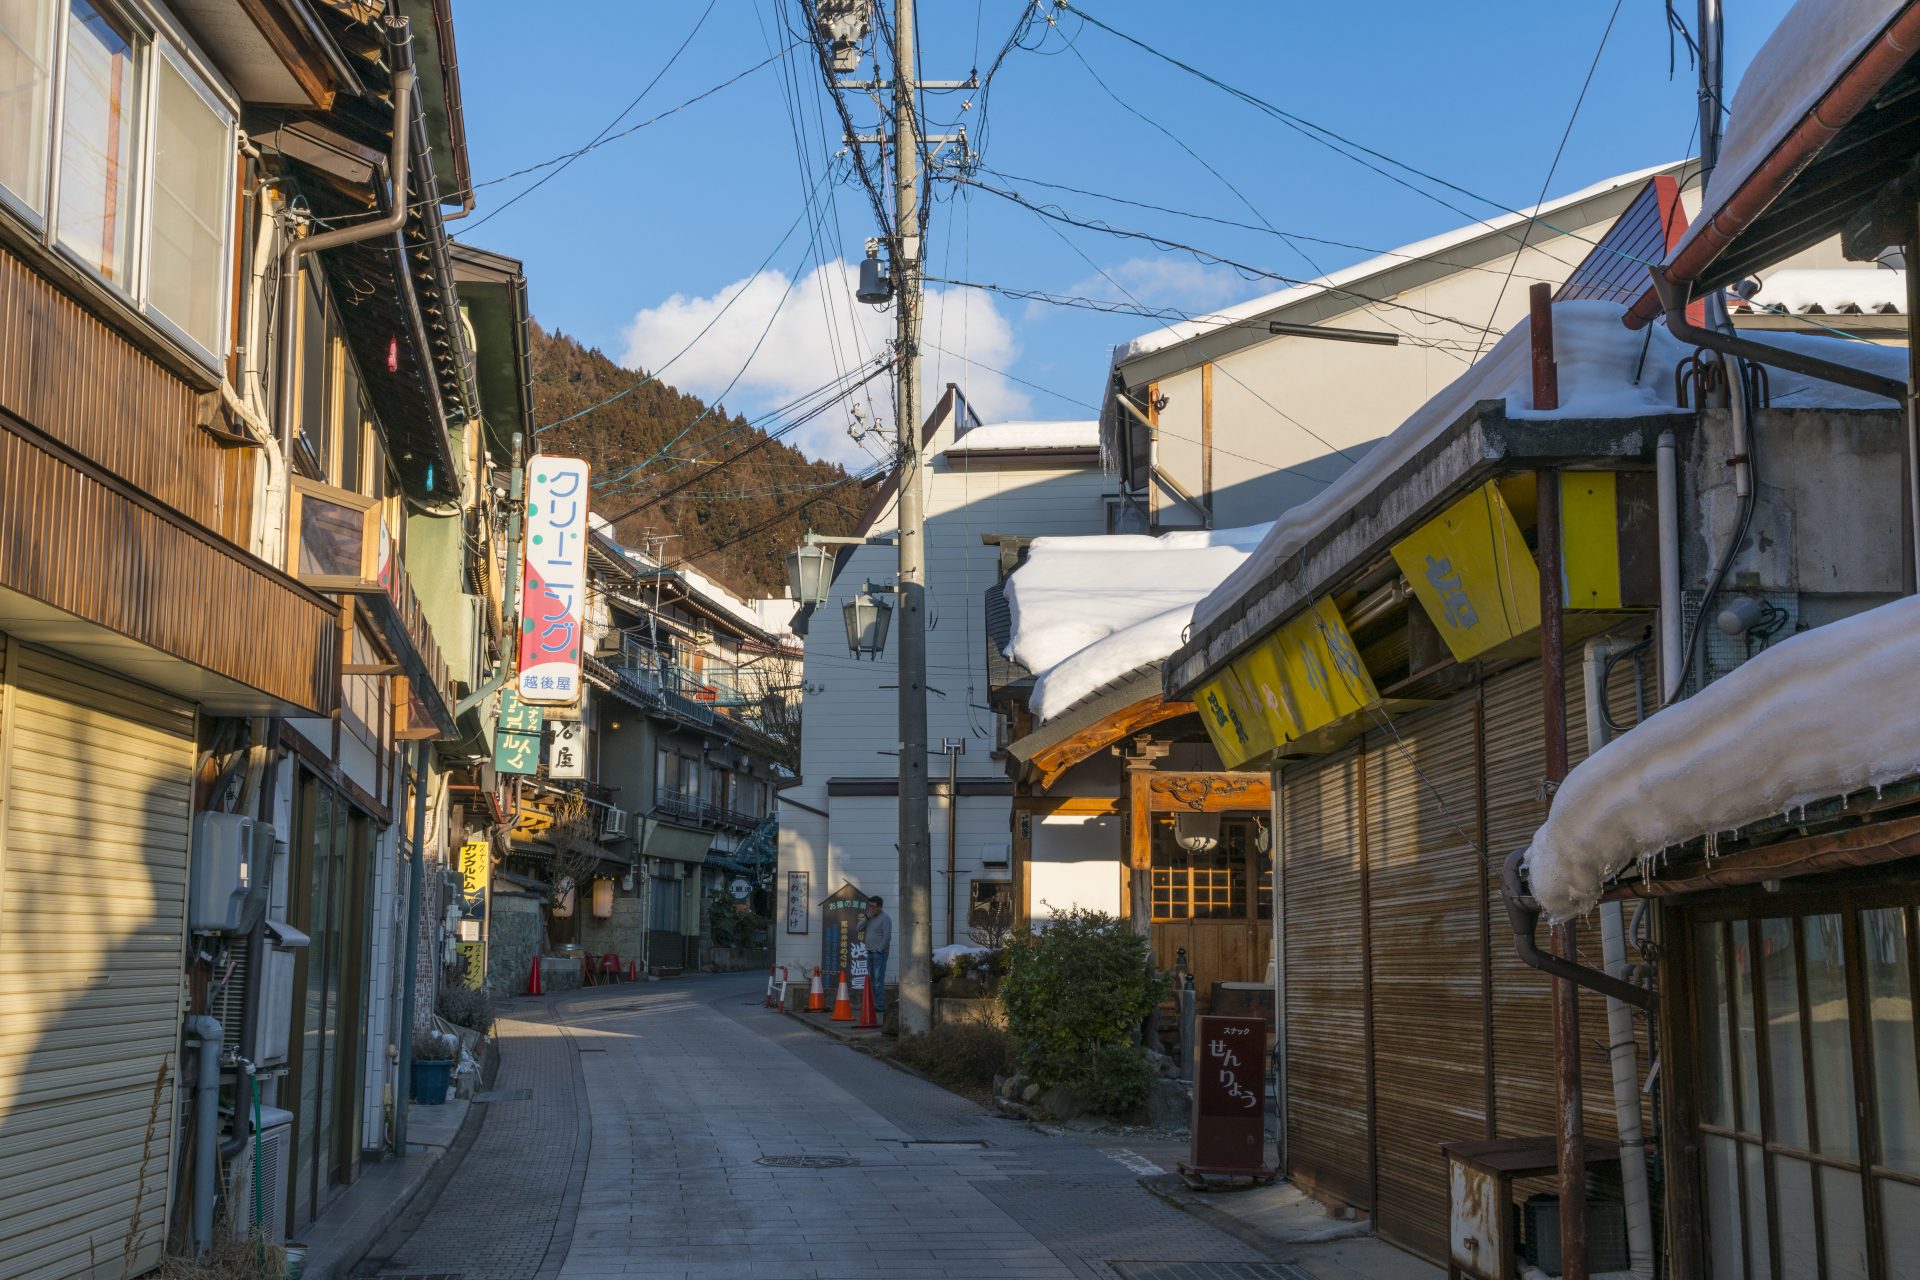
{"type": "Point", "coordinates": [876, 931]}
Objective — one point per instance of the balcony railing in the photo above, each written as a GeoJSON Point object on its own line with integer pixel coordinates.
{"type": "Point", "coordinates": [693, 808]}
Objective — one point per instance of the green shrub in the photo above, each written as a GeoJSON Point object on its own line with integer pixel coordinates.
{"type": "Point", "coordinates": [1075, 995]}
{"type": "Point", "coordinates": [959, 1055]}
{"type": "Point", "coordinates": [466, 1007]}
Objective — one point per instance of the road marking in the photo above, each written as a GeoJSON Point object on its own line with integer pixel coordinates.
{"type": "Point", "coordinates": [1133, 1160]}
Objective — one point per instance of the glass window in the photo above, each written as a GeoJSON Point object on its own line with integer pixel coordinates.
{"type": "Point", "coordinates": [1830, 1023]}
{"type": "Point", "coordinates": [1885, 940]}
{"type": "Point", "coordinates": [100, 105]}
{"type": "Point", "coordinates": [1780, 988]}
{"type": "Point", "coordinates": [26, 98]}
{"type": "Point", "coordinates": [315, 374]}
{"type": "Point", "coordinates": [1716, 1057]}
{"type": "Point", "coordinates": [187, 281]}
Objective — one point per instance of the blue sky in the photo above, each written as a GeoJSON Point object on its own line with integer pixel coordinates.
{"type": "Point", "coordinates": [637, 244]}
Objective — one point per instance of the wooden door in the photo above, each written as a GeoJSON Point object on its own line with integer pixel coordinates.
{"type": "Point", "coordinates": [1215, 906]}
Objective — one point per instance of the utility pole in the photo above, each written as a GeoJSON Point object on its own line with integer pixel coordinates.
{"type": "Point", "coordinates": [916, 854]}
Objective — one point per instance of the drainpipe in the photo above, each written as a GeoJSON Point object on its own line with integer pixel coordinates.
{"type": "Point", "coordinates": [1672, 626]}
{"type": "Point", "coordinates": [400, 54]}
{"type": "Point", "coordinates": [1278, 851]}
{"type": "Point", "coordinates": [205, 1033]}
{"type": "Point", "coordinates": [1566, 996]}
{"type": "Point", "coordinates": [1622, 1051]}
{"type": "Point", "coordinates": [416, 881]}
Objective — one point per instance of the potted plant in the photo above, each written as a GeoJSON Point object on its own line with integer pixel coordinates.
{"type": "Point", "coordinates": [433, 1058]}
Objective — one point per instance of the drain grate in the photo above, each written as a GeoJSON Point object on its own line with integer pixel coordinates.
{"type": "Point", "coordinates": [1208, 1271]}
{"type": "Point", "coordinates": [807, 1162]}
{"type": "Point", "coordinates": [504, 1095]}
{"type": "Point", "coordinates": [947, 1144]}
{"type": "Point", "coordinates": [421, 1275]}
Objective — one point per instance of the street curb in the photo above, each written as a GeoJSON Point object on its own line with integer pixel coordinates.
{"type": "Point", "coordinates": [1169, 1188]}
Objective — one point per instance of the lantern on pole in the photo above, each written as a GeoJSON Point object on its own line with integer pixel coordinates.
{"type": "Point", "coordinates": [867, 616]}
{"type": "Point", "coordinates": [810, 573]}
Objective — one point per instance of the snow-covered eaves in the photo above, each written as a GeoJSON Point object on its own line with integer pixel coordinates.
{"type": "Point", "coordinates": [1087, 611]}
{"type": "Point", "coordinates": [1027, 438]}
{"type": "Point", "coordinates": [1616, 389]}
{"type": "Point", "coordinates": [1819, 716]}
{"type": "Point", "coordinates": [1827, 291]}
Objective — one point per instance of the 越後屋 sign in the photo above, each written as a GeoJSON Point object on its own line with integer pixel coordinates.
{"type": "Point", "coordinates": [553, 588]}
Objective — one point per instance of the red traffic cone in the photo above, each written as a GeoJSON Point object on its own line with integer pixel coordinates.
{"type": "Point", "coordinates": [633, 971]}
{"type": "Point", "coordinates": [767, 1003]}
{"type": "Point", "coordinates": [869, 1020]}
{"type": "Point", "coordinates": [842, 1002]}
{"type": "Point", "coordinates": [817, 997]}
{"type": "Point", "coordinates": [533, 983]}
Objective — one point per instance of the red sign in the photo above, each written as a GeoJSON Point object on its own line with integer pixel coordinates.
{"type": "Point", "coordinates": [553, 591]}
{"type": "Point", "coordinates": [1230, 1098]}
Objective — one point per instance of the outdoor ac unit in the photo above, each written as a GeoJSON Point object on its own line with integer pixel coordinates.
{"type": "Point", "coordinates": [614, 825]}
{"type": "Point", "coordinates": [270, 1215]}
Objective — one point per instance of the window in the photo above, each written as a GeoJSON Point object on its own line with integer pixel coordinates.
{"type": "Point", "coordinates": [990, 911]}
{"type": "Point", "coordinates": [136, 165]}
{"type": "Point", "coordinates": [336, 538]}
{"type": "Point", "coordinates": [26, 98]}
{"type": "Point", "coordinates": [1200, 886]}
{"type": "Point", "coordinates": [316, 368]}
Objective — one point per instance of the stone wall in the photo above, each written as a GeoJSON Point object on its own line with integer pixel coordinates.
{"type": "Point", "coordinates": [512, 936]}
{"type": "Point", "coordinates": [622, 933]}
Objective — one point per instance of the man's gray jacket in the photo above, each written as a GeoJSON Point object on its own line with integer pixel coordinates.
{"type": "Point", "coordinates": [877, 932]}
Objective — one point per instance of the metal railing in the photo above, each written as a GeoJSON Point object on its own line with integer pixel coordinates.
{"type": "Point", "coordinates": [694, 808]}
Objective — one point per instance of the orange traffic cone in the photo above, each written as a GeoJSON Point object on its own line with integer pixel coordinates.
{"type": "Point", "coordinates": [842, 1003]}
{"type": "Point", "coordinates": [817, 996]}
{"type": "Point", "coordinates": [767, 1003]}
{"type": "Point", "coordinates": [633, 971]}
{"type": "Point", "coordinates": [533, 983]}
{"type": "Point", "coordinates": [869, 1020]}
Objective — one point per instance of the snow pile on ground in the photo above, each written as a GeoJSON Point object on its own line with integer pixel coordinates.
{"type": "Point", "coordinates": [1087, 611]}
{"type": "Point", "coordinates": [953, 951]}
{"type": "Point", "coordinates": [1004, 437]}
{"type": "Point", "coordinates": [1807, 52]}
{"type": "Point", "coordinates": [1830, 291]}
{"type": "Point", "coordinates": [1606, 371]}
{"type": "Point", "coordinates": [1824, 714]}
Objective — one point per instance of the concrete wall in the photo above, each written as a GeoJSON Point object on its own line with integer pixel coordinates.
{"type": "Point", "coordinates": [622, 933]}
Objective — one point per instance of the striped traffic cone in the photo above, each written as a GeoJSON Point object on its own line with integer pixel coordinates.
{"type": "Point", "coordinates": [869, 1020]}
{"type": "Point", "coordinates": [817, 996]}
{"type": "Point", "coordinates": [842, 1003]}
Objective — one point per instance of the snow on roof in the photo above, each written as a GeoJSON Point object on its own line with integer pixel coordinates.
{"type": "Point", "coordinates": [1087, 611]}
{"type": "Point", "coordinates": [1828, 291]}
{"type": "Point", "coordinates": [1834, 711]}
{"type": "Point", "coordinates": [1016, 437]}
{"type": "Point", "coordinates": [1811, 48]}
{"type": "Point", "coordinates": [1187, 330]}
{"type": "Point", "coordinates": [1598, 359]}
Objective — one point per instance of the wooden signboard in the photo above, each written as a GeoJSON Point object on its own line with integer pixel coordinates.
{"type": "Point", "coordinates": [1230, 1099]}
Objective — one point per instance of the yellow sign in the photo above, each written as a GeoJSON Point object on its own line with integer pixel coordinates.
{"type": "Point", "coordinates": [1472, 572]}
{"type": "Point", "coordinates": [475, 863]}
{"type": "Point", "coordinates": [1304, 676]}
{"type": "Point", "coordinates": [1234, 719]}
{"type": "Point", "coordinates": [474, 975]}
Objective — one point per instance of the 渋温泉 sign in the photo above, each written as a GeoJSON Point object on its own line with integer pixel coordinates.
{"type": "Point", "coordinates": [553, 584]}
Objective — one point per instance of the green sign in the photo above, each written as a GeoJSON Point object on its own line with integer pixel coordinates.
{"type": "Point", "coordinates": [519, 717]}
{"type": "Point", "coordinates": [516, 752]}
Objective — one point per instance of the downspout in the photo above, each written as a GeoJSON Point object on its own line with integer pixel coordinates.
{"type": "Point", "coordinates": [400, 54]}
{"type": "Point", "coordinates": [205, 1033]}
{"type": "Point", "coordinates": [1672, 635]}
{"type": "Point", "coordinates": [1622, 1050]}
{"type": "Point", "coordinates": [416, 882]}
{"type": "Point", "coordinates": [1278, 850]}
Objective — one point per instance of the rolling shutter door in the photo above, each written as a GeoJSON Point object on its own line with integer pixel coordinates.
{"type": "Point", "coordinates": [1423, 893]}
{"type": "Point", "coordinates": [95, 776]}
{"type": "Point", "coordinates": [1326, 980]}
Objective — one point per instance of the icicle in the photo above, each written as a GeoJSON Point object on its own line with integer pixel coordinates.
{"type": "Point", "coordinates": [1712, 846]}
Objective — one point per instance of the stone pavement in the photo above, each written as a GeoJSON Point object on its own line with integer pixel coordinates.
{"type": "Point", "coordinates": [679, 1130]}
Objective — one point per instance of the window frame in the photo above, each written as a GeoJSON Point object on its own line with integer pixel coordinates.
{"type": "Point", "coordinates": [157, 39]}
{"type": "Point", "coordinates": [368, 583]}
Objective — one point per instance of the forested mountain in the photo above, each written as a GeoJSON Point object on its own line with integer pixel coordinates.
{"type": "Point", "coordinates": [728, 522]}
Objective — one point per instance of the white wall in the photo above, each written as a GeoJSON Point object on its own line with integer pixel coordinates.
{"type": "Point", "coordinates": [850, 728]}
{"type": "Point", "coordinates": [1075, 862]}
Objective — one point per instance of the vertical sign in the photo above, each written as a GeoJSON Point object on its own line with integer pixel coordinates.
{"type": "Point", "coordinates": [516, 743]}
{"type": "Point", "coordinates": [566, 750]}
{"type": "Point", "coordinates": [797, 901]}
{"type": "Point", "coordinates": [553, 588]}
{"type": "Point", "coordinates": [476, 866]}
{"type": "Point", "coordinates": [1229, 1098]}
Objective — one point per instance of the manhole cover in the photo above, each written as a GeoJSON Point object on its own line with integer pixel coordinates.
{"type": "Point", "coordinates": [504, 1095]}
{"type": "Point", "coordinates": [1208, 1271]}
{"type": "Point", "coordinates": [807, 1162]}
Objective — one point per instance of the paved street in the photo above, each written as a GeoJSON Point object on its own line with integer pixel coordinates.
{"type": "Point", "coordinates": [651, 1131]}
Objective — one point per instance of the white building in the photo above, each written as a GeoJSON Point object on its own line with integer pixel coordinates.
{"type": "Point", "coordinates": [839, 823]}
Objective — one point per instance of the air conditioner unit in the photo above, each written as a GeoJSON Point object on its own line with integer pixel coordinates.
{"type": "Point", "coordinates": [269, 1213]}
{"type": "Point", "coordinates": [613, 824]}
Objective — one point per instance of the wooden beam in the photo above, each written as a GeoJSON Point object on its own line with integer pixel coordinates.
{"type": "Point", "coordinates": [1208, 792]}
{"type": "Point", "coordinates": [1087, 805]}
{"type": "Point", "coordinates": [297, 53]}
{"type": "Point", "coordinates": [1206, 441]}
{"type": "Point", "coordinates": [1122, 724]}
{"type": "Point", "coordinates": [1153, 455]}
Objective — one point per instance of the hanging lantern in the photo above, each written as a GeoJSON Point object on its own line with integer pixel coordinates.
{"type": "Point", "coordinates": [867, 617]}
{"type": "Point", "coordinates": [603, 899]}
{"type": "Point", "coordinates": [562, 907]}
{"type": "Point", "coordinates": [1196, 832]}
{"type": "Point", "coordinates": [810, 574]}
{"type": "Point", "coordinates": [1262, 837]}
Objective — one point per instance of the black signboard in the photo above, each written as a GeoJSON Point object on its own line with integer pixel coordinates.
{"type": "Point", "coordinates": [841, 915]}
{"type": "Point", "coordinates": [1230, 1098]}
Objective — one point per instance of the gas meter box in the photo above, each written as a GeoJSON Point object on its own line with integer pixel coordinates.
{"type": "Point", "coordinates": [231, 861]}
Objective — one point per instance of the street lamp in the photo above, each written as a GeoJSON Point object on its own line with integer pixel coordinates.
{"type": "Point", "coordinates": [867, 616]}
{"type": "Point", "coordinates": [810, 573]}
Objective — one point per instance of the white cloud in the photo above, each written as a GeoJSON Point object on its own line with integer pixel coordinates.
{"type": "Point", "coordinates": [818, 331]}
{"type": "Point", "coordinates": [1167, 281]}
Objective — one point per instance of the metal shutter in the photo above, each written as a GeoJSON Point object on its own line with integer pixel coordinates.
{"type": "Point", "coordinates": [1327, 1147]}
{"type": "Point", "coordinates": [95, 775]}
{"type": "Point", "coordinates": [1424, 891]}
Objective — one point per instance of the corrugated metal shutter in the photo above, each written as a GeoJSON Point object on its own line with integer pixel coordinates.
{"type": "Point", "coordinates": [1424, 888]}
{"type": "Point", "coordinates": [1326, 980]}
{"type": "Point", "coordinates": [1522, 997]}
{"type": "Point", "coordinates": [96, 776]}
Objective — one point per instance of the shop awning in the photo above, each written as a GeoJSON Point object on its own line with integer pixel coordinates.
{"type": "Point", "coordinates": [674, 843]}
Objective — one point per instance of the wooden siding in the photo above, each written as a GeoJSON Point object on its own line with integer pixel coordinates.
{"type": "Point", "coordinates": [66, 373]}
{"type": "Point", "coordinates": [73, 539]}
